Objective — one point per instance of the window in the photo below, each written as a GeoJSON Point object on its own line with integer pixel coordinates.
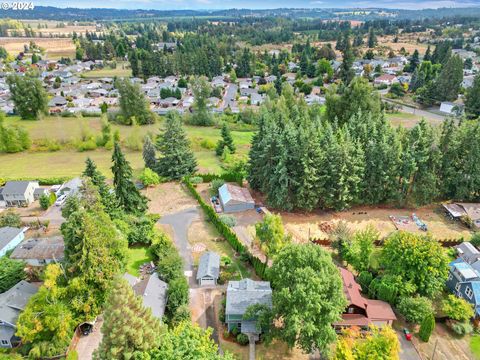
{"type": "Point", "coordinates": [468, 292]}
{"type": "Point", "coordinates": [457, 287]}
{"type": "Point", "coordinates": [450, 276]}
{"type": "Point", "coordinates": [350, 310]}
{"type": "Point", "coordinates": [4, 342]}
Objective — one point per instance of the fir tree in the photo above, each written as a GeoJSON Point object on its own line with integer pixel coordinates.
{"type": "Point", "coordinates": [346, 71]}
{"type": "Point", "coordinates": [225, 142]}
{"type": "Point", "coordinates": [426, 327]}
{"type": "Point", "coordinates": [447, 86]}
{"type": "Point", "coordinates": [127, 194]}
{"type": "Point", "coordinates": [472, 101]}
{"type": "Point", "coordinates": [128, 325]}
{"type": "Point", "coordinates": [176, 157]}
{"type": "Point", "coordinates": [149, 156]}
{"type": "Point", "coordinates": [372, 38]}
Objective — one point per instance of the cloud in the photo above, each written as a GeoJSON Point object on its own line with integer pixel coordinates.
{"type": "Point", "coordinates": [317, 2]}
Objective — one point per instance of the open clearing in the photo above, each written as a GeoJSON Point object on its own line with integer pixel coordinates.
{"type": "Point", "coordinates": [55, 48]}
{"type": "Point", "coordinates": [168, 198]}
{"type": "Point", "coordinates": [70, 162]}
{"type": "Point", "coordinates": [403, 119]}
{"type": "Point", "coordinates": [122, 70]}
{"type": "Point", "coordinates": [301, 226]}
{"type": "Point", "coordinates": [137, 256]}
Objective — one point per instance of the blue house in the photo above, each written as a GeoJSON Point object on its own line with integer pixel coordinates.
{"type": "Point", "coordinates": [10, 237]}
{"type": "Point", "coordinates": [464, 282]}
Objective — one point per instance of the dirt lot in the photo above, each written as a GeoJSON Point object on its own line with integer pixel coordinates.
{"type": "Point", "coordinates": [53, 47]}
{"type": "Point", "coordinates": [168, 198]}
{"type": "Point", "coordinates": [301, 225]}
{"type": "Point", "coordinates": [52, 28]}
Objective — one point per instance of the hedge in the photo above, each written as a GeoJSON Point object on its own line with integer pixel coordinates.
{"type": "Point", "coordinates": [41, 181]}
{"type": "Point", "coordinates": [228, 176]}
{"type": "Point", "coordinates": [226, 231]}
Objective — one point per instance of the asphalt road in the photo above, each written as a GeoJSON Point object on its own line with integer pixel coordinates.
{"type": "Point", "coordinates": [229, 97]}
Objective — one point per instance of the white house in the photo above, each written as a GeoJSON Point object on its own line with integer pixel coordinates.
{"type": "Point", "coordinates": [19, 193]}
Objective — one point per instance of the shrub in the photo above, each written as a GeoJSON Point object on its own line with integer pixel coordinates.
{"type": "Point", "coordinates": [475, 240]}
{"type": "Point", "coordinates": [12, 272]}
{"type": "Point", "coordinates": [148, 177]}
{"type": "Point", "coordinates": [87, 145]}
{"type": "Point", "coordinates": [10, 218]}
{"type": "Point", "coordinates": [462, 328]}
{"type": "Point", "coordinates": [242, 339]}
{"type": "Point", "coordinates": [364, 279]}
{"type": "Point", "coordinates": [228, 220]}
{"type": "Point", "coordinates": [234, 331]}
{"type": "Point", "coordinates": [225, 260]}
{"type": "Point", "coordinates": [457, 309]}
{"type": "Point", "coordinates": [44, 201]}
{"type": "Point", "coordinates": [196, 180]}
{"type": "Point", "coordinates": [215, 185]}
{"type": "Point", "coordinates": [426, 328]}
{"type": "Point", "coordinates": [207, 144]}
{"type": "Point", "coordinates": [415, 309]}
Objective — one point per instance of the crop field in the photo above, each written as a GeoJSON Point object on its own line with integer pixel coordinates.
{"type": "Point", "coordinates": [70, 162]}
{"type": "Point", "coordinates": [55, 48]}
{"type": "Point", "coordinates": [122, 70]}
{"type": "Point", "coordinates": [53, 30]}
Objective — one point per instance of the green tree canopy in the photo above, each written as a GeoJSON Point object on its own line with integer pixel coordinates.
{"type": "Point", "coordinates": [28, 95]}
{"type": "Point", "coordinates": [133, 103]}
{"type": "Point", "coordinates": [272, 235]}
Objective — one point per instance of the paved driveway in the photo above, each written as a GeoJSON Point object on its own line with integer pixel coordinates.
{"type": "Point", "coordinates": [180, 222]}
{"type": "Point", "coordinates": [88, 344]}
{"type": "Point", "coordinates": [407, 351]}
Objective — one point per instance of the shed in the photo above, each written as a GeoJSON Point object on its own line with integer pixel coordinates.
{"type": "Point", "coordinates": [235, 198]}
{"type": "Point", "coordinates": [208, 269]}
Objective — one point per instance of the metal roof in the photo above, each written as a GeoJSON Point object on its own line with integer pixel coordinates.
{"type": "Point", "coordinates": [231, 193]}
{"type": "Point", "coordinates": [152, 290]}
{"type": "Point", "coordinates": [209, 265]}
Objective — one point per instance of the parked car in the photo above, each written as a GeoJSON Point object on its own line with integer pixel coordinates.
{"type": "Point", "coordinates": [61, 200]}
{"type": "Point", "coordinates": [407, 334]}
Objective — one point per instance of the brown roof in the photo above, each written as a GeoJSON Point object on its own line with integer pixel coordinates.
{"type": "Point", "coordinates": [40, 249]}
{"type": "Point", "coordinates": [352, 320]}
{"type": "Point", "coordinates": [238, 193]}
{"type": "Point", "coordinates": [376, 310]}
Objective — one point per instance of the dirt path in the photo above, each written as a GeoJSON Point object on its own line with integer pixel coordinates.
{"type": "Point", "coordinates": [88, 344]}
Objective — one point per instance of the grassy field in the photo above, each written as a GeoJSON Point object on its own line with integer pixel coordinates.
{"type": "Point", "coordinates": [475, 346]}
{"type": "Point", "coordinates": [136, 257]}
{"type": "Point", "coordinates": [403, 119]}
{"type": "Point", "coordinates": [55, 48]}
{"type": "Point", "coordinates": [70, 162]}
{"type": "Point", "coordinates": [120, 71]}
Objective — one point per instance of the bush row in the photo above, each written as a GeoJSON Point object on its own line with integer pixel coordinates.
{"type": "Point", "coordinates": [41, 181]}
{"type": "Point", "coordinates": [228, 176]}
{"type": "Point", "coordinates": [226, 231]}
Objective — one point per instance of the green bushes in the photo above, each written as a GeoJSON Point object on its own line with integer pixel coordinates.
{"type": "Point", "coordinates": [10, 218]}
{"type": "Point", "coordinates": [457, 308]}
{"type": "Point", "coordinates": [226, 231]}
{"type": "Point", "coordinates": [426, 327]}
{"type": "Point", "coordinates": [228, 220]}
{"type": "Point", "coordinates": [12, 272]}
{"type": "Point", "coordinates": [47, 200]}
{"type": "Point", "coordinates": [461, 328]}
{"type": "Point", "coordinates": [148, 177]}
{"type": "Point", "coordinates": [242, 339]}
{"type": "Point", "coordinates": [415, 309]}
{"type": "Point", "coordinates": [215, 185]}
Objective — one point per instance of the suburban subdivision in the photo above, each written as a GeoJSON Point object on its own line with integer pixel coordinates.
{"type": "Point", "coordinates": [300, 182]}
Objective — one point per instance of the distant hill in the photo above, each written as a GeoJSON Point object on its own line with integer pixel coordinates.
{"type": "Point", "coordinates": [75, 14]}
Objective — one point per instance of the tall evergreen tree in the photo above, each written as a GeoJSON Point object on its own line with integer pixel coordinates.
{"type": "Point", "coordinates": [447, 86]}
{"type": "Point", "coordinates": [372, 38]}
{"type": "Point", "coordinates": [149, 156]}
{"type": "Point", "coordinates": [472, 100]}
{"type": "Point", "coordinates": [226, 141]}
{"type": "Point", "coordinates": [346, 71]}
{"type": "Point", "coordinates": [128, 325]}
{"type": "Point", "coordinates": [133, 103]}
{"type": "Point", "coordinates": [176, 157]}
{"type": "Point", "coordinates": [127, 194]}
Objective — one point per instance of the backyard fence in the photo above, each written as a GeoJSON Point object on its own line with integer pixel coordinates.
{"type": "Point", "coordinates": [228, 234]}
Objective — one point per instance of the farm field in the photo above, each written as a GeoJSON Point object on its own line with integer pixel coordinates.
{"type": "Point", "coordinates": [122, 70]}
{"type": "Point", "coordinates": [439, 226]}
{"type": "Point", "coordinates": [53, 30]}
{"type": "Point", "coordinates": [55, 48]}
{"type": "Point", "coordinates": [70, 162]}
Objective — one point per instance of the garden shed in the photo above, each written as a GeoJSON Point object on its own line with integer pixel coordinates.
{"type": "Point", "coordinates": [235, 198]}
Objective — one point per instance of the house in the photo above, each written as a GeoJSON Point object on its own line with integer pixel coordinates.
{"type": "Point", "coordinates": [242, 294]}
{"type": "Point", "coordinates": [449, 107]}
{"type": "Point", "coordinates": [57, 101]}
{"type": "Point", "coordinates": [19, 193]}
{"type": "Point", "coordinates": [40, 251]}
{"type": "Point", "coordinates": [464, 281]}
{"type": "Point", "coordinates": [39, 192]}
{"type": "Point", "coordinates": [70, 187]}
{"type": "Point", "coordinates": [386, 79]}
{"type": "Point", "coordinates": [152, 290]}
{"type": "Point", "coordinates": [361, 311]}
{"type": "Point", "coordinates": [12, 302]}
{"type": "Point", "coordinates": [10, 237]}
{"type": "Point", "coordinates": [459, 211]}
{"type": "Point", "coordinates": [235, 198]}
{"type": "Point", "coordinates": [256, 99]}
{"type": "Point", "coordinates": [208, 269]}
{"type": "Point", "coordinates": [314, 99]}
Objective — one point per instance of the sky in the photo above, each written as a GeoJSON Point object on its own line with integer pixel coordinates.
{"type": "Point", "coordinates": [255, 4]}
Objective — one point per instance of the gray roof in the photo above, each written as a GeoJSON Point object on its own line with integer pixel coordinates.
{"type": "Point", "coordinates": [209, 265]}
{"type": "Point", "coordinates": [14, 300]}
{"type": "Point", "coordinates": [40, 191]}
{"type": "Point", "coordinates": [241, 294]}
{"type": "Point", "coordinates": [468, 252]}
{"type": "Point", "coordinates": [152, 290]}
{"type": "Point", "coordinates": [16, 187]}
{"type": "Point", "coordinates": [7, 234]}
{"type": "Point", "coordinates": [40, 249]}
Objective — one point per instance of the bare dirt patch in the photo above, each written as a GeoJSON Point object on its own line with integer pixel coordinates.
{"type": "Point", "coordinates": [302, 226]}
{"type": "Point", "coordinates": [53, 47]}
{"type": "Point", "coordinates": [168, 198]}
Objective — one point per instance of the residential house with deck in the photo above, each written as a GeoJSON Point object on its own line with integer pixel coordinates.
{"type": "Point", "coordinates": [464, 280]}
{"type": "Point", "coordinates": [242, 294]}
{"type": "Point", "coordinates": [360, 311]}
{"type": "Point", "coordinates": [40, 251]}
{"type": "Point", "coordinates": [10, 237]}
{"type": "Point", "coordinates": [152, 290]}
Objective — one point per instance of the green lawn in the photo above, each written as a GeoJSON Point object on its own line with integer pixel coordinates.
{"type": "Point", "coordinates": [70, 162]}
{"type": "Point", "coordinates": [136, 257]}
{"type": "Point", "coordinates": [475, 346]}
{"type": "Point", "coordinates": [120, 71]}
